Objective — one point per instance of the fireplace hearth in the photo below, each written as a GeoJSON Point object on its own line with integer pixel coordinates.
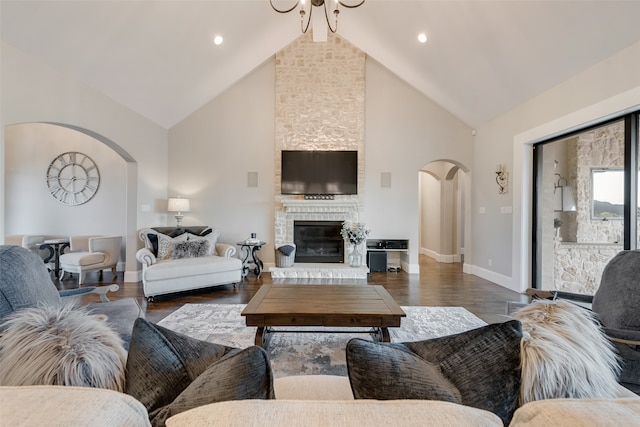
{"type": "Point", "coordinates": [318, 241]}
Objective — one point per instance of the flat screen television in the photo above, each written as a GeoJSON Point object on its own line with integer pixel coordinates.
{"type": "Point", "coordinates": [319, 172]}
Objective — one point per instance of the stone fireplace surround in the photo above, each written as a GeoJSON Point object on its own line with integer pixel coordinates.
{"type": "Point", "coordinates": [315, 210]}
{"type": "Point", "coordinates": [317, 108]}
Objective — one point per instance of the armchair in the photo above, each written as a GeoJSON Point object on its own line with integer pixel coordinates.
{"type": "Point", "coordinates": [31, 242]}
{"type": "Point", "coordinates": [617, 304]}
{"type": "Point", "coordinates": [91, 253]}
{"type": "Point", "coordinates": [25, 282]}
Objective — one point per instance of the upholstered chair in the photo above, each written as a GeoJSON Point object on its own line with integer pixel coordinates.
{"type": "Point", "coordinates": [617, 304]}
{"type": "Point", "coordinates": [25, 283]}
{"type": "Point", "coordinates": [91, 253]}
{"type": "Point", "coordinates": [31, 242]}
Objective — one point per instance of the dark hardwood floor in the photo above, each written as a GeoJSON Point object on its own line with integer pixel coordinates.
{"type": "Point", "coordinates": [437, 284]}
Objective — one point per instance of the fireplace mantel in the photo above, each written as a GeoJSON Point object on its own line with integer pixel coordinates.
{"type": "Point", "coordinates": [313, 210]}
{"type": "Point", "coordinates": [297, 205]}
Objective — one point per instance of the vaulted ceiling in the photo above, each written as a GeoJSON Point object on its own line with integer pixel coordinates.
{"type": "Point", "coordinates": [482, 59]}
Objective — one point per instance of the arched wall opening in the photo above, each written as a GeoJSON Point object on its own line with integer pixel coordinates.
{"type": "Point", "coordinates": [29, 148]}
{"type": "Point", "coordinates": [444, 215]}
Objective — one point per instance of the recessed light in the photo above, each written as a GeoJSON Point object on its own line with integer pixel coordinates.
{"type": "Point", "coordinates": [422, 38]}
{"type": "Point", "coordinates": [217, 40]}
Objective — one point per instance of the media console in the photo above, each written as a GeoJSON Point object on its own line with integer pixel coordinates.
{"type": "Point", "coordinates": [377, 253]}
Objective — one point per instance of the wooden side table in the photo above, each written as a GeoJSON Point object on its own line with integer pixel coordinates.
{"type": "Point", "coordinates": [251, 261]}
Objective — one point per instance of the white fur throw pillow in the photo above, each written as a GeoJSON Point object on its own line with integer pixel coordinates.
{"type": "Point", "coordinates": [60, 346]}
{"type": "Point", "coordinates": [191, 249]}
{"type": "Point", "coordinates": [564, 353]}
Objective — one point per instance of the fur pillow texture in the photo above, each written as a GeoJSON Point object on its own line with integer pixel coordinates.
{"type": "Point", "coordinates": [61, 346]}
{"type": "Point", "coordinates": [171, 372]}
{"type": "Point", "coordinates": [477, 368]}
{"type": "Point", "coordinates": [191, 249]}
{"type": "Point", "coordinates": [565, 353]}
{"type": "Point", "coordinates": [211, 237]}
{"type": "Point", "coordinates": [166, 245]}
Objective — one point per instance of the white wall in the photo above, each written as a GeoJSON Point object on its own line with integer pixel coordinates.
{"type": "Point", "coordinates": [605, 89]}
{"type": "Point", "coordinates": [29, 149]}
{"type": "Point", "coordinates": [430, 215]}
{"type": "Point", "coordinates": [35, 92]}
{"type": "Point", "coordinates": [404, 131]}
{"type": "Point", "coordinates": [211, 152]}
{"type": "Point", "coordinates": [213, 149]}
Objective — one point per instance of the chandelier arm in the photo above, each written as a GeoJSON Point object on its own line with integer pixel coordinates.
{"type": "Point", "coordinates": [284, 11]}
{"type": "Point", "coordinates": [326, 15]}
{"type": "Point", "coordinates": [302, 26]}
{"type": "Point", "coordinates": [350, 6]}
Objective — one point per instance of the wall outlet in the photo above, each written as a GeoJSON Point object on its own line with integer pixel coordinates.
{"type": "Point", "coordinates": [490, 262]}
{"type": "Point", "coordinates": [145, 208]}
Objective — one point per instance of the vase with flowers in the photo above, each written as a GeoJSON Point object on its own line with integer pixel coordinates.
{"type": "Point", "coordinates": [355, 233]}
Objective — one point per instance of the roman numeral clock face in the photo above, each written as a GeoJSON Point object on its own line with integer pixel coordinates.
{"type": "Point", "coordinates": [73, 178]}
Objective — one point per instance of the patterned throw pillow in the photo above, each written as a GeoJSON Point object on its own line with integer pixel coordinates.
{"type": "Point", "coordinates": [478, 368]}
{"type": "Point", "coordinates": [171, 373]}
{"type": "Point", "coordinates": [166, 244]}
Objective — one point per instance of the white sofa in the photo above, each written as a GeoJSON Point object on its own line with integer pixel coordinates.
{"type": "Point", "coordinates": [164, 273]}
{"type": "Point", "coordinates": [308, 400]}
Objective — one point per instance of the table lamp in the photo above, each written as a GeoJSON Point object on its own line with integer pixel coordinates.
{"type": "Point", "coordinates": [179, 205]}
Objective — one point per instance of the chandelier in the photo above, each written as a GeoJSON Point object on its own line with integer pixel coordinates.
{"type": "Point", "coordinates": [306, 20]}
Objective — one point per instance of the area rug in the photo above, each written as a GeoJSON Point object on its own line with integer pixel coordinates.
{"type": "Point", "coordinates": [310, 353]}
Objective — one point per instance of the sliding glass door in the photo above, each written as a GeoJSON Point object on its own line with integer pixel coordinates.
{"type": "Point", "coordinates": [585, 185]}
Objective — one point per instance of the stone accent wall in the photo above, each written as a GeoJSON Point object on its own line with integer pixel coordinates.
{"type": "Point", "coordinates": [602, 147]}
{"type": "Point", "coordinates": [579, 266]}
{"type": "Point", "coordinates": [579, 262]}
{"type": "Point", "coordinates": [320, 94]}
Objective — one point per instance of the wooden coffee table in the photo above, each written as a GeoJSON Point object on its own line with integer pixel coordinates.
{"type": "Point", "coordinates": [322, 305]}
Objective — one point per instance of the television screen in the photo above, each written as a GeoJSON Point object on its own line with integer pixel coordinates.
{"type": "Point", "coordinates": [319, 172]}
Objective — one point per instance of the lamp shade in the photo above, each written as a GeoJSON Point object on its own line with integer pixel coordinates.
{"type": "Point", "coordinates": [178, 204]}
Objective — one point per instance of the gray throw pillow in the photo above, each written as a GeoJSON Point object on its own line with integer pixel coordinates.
{"type": "Point", "coordinates": [191, 249]}
{"type": "Point", "coordinates": [286, 250]}
{"type": "Point", "coordinates": [478, 368]}
{"type": "Point", "coordinates": [170, 372]}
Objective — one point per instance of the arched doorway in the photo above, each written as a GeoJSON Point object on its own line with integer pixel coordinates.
{"type": "Point", "coordinates": [29, 209]}
{"type": "Point", "coordinates": [444, 200]}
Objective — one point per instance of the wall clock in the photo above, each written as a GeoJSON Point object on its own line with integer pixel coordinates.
{"type": "Point", "coordinates": [73, 178]}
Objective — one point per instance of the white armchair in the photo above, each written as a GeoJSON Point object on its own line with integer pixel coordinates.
{"type": "Point", "coordinates": [91, 253]}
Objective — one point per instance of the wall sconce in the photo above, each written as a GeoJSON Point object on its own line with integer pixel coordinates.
{"type": "Point", "coordinates": [179, 205]}
{"type": "Point", "coordinates": [563, 199]}
{"type": "Point", "coordinates": [502, 179]}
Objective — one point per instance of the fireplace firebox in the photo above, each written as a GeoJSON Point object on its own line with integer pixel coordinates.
{"type": "Point", "coordinates": [318, 241]}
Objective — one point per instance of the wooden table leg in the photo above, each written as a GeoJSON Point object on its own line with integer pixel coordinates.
{"type": "Point", "coordinates": [381, 334]}
{"type": "Point", "coordinates": [263, 336]}
{"type": "Point", "coordinates": [385, 334]}
{"type": "Point", "coordinates": [259, 336]}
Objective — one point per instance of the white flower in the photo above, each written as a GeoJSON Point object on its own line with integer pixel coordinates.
{"type": "Point", "coordinates": [355, 233]}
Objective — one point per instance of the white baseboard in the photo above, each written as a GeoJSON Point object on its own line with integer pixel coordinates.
{"type": "Point", "coordinates": [492, 276]}
{"type": "Point", "coordinates": [440, 257]}
{"type": "Point", "coordinates": [410, 268]}
{"type": "Point", "coordinates": [133, 276]}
